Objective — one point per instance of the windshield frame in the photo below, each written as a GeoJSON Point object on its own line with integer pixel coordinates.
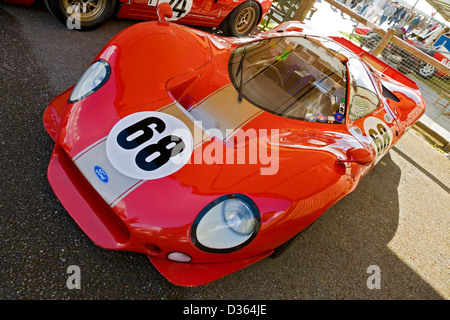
{"type": "Point", "coordinates": [372, 88]}
{"type": "Point", "coordinates": [337, 58]}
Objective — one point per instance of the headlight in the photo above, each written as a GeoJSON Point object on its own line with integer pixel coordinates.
{"type": "Point", "coordinates": [227, 224]}
{"type": "Point", "coordinates": [92, 80]}
{"type": "Point", "coordinates": [239, 216]}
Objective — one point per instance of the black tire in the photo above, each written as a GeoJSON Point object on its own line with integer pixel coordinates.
{"type": "Point", "coordinates": [92, 16]}
{"type": "Point", "coordinates": [242, 20]}
{"type": "Point", "coordinates": [427, 71]}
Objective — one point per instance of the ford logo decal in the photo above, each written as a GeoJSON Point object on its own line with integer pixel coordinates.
{"type": "Point", "coordinates": [101, 174]}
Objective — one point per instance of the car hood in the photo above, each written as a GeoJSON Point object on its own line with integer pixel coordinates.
{"type": "Point", "coordinates": [183, 80]}
{"type": "Point", "coordinates": [145, 56]}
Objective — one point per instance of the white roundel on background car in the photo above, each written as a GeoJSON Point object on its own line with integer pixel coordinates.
{"type": "Point", "coordinates": [180, 8]}
{"type": "Point", "coordinates": [149, 145]}
{"type": "Point", "coordinates": [380, 134]}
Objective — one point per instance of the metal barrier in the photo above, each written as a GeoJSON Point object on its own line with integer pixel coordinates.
{"type": "Point", "coordinates": [285, 10]}
{"type": "Point", "coordinates": [280, 11]}
{"type": "Point", "coordinates": [433, 83]}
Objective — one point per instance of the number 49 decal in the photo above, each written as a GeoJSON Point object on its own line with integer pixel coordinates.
{"type": "Point", "coordinates": [180, 8]}
{"type": "Point", "coordinates": [149, 145]}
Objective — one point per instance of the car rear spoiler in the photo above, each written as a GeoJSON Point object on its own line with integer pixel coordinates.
{"type": "Point", "coordinates": [376, 63]}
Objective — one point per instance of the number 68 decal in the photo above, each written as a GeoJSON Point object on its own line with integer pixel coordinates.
{"type": "Point", "coordinates": [380, 134]}
{"type": "Point", "coordinates": [149, 145]}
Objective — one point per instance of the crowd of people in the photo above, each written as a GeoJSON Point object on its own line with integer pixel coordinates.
{"type": "Point", "coordinates": [393, 14]}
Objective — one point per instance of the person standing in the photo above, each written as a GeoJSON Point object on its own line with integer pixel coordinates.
{"type": "Point", "coordinates": [413, 23]}
{"type": "Point", "coordinates": [366, 4]}
{"type": "Point", "coordinates": [399, 15]}
{"type": "Point", "coordinates": [394, 16]}
{"type": "Point", "coordinates": [374, 10]}
{"type": "Point", "coordinates": [422, 27]}
{"type": "Point", "coordinates": [388, 13]}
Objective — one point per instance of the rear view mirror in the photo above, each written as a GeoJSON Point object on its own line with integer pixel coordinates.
{"type": "Point", "coordinates": [164, 10]}
{"type": "Point", "coordinates": [359, 155]}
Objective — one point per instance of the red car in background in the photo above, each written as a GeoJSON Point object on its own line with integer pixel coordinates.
{"type": "Point", "coordinates": [444, 58]}
{"type": "Point", "coordinates": [234, 18]}
{"type": "Point", "coordinates": [405, 61]}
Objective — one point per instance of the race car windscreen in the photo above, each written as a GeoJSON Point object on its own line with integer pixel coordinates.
{"type": "Point", "coordinates": [294, 77]}
{"type": "Point", "coordinates": [363, 96]}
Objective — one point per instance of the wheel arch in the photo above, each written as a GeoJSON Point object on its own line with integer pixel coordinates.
{"type": "Point", "coordinates": [118, 7]}
{"type": "Point", "coordinates": [55, 9]}
{"type": "Point", "coordinates": [254, 1]}
{"type": "Point", "coordinates": [260, 14]}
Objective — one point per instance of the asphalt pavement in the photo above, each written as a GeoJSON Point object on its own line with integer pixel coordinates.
{"type": "Point", "coordinates": [396, 220]}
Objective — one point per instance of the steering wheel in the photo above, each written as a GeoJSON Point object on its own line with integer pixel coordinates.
{"type": "Point", "coordinates": [269, 66]}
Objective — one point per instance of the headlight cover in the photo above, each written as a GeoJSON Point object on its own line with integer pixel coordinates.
{"type": "Point", "coordinates": [226, 224]}
{"type": "Point", "coordinates": [92, 80]}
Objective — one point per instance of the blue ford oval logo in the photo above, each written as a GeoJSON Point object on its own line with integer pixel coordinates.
{"type": "Point", "coordinates": [101, 174]}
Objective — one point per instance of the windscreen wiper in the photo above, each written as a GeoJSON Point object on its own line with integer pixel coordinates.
{"type": "Point", "coordinates": [241, 70]}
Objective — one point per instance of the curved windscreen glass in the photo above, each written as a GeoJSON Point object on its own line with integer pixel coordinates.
{"type": "Point", "coordinates": [363, 96]}
{"type": "Point", "coordinates": [294, 77]}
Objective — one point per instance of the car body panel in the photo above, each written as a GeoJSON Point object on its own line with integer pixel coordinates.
{"type": "Point", "coordinates": [182, 72]}
{"type": "Point", "coordinates": [200, 274]}
{"type": "Point", "coordinates": [206, 13]}
{"type": "Point", "coordinates": [444, 58]}
{"type": "Point", "coordinates": [21, 2]}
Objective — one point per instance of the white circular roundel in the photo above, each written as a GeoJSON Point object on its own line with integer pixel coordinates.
{"type": "Point", "coordinates": [180, 8]}
{"type": "Point", "coordinates": [380, 134]}
{"type": "Point", "coordinates": [149, 145]}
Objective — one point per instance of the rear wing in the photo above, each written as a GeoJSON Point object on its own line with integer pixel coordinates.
{"type": "Point", "coordinates": [376, 63]}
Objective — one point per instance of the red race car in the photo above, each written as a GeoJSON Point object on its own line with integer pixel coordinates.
{"type": "Point", "coordinates": [209, 153]}
{"type": "Point", "coordinates": [234, 17]}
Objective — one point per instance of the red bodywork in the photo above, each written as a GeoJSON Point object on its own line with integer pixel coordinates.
{"type": "Point", "coordinates": [21, 2]}
{"type": "Point", "coordinates": [207, 13]}
{"type": "Point", "coordinates": [153, 62]}
{"type": "Point", "coordinates": [443, 58]}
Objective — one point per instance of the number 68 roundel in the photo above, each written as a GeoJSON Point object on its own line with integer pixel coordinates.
{"type": "Point", "coordinates": [149, 145]}
{"type": "Point", "coordinates": [380, 134]}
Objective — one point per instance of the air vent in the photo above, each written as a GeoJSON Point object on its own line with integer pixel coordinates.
{"type": "Point", "coordinates": [389, 95]}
